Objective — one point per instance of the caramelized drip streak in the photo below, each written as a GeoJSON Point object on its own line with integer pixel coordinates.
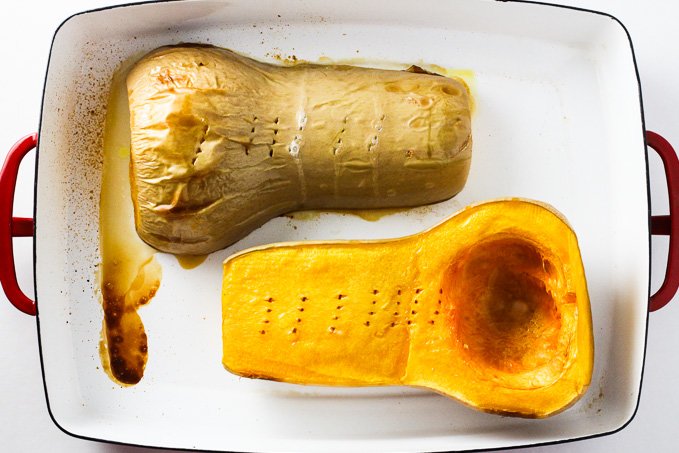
{"type": "Point", "coordinates": [130, 275]}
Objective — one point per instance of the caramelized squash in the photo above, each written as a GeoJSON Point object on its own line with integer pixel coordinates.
{"type": "Point", "coordinates": [489, 307]}
{"type": "Point", "coordinates": [221, 143]}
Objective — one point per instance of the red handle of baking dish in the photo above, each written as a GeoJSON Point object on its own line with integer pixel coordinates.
{"type": "Point", "coordinates": [13, 226]}
{"type": "Point", "coordinates": [17, 226]}
{"type": "Point", "coordinates": [667, 225]}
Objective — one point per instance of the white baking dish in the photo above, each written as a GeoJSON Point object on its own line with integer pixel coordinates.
{"type": "Point", "coordinates": [558, 119]}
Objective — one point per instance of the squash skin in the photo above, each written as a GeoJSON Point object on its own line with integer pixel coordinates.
{"type": "Point", "coordinates": [414, 311]}
{"type": "Point", "coordinates": [221, 143]}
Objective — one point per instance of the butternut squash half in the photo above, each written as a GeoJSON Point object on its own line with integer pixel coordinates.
{"type": "Point", "coordinates": [489, 307]}
{"type": "Point", "coordinates": [221, 143]}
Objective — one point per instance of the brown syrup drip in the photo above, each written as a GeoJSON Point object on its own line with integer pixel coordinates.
{"type": "Point", "coordinates": [130, 275]}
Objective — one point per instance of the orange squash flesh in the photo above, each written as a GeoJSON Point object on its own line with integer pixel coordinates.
{"type": "Point", "coordinates": [489, 307]}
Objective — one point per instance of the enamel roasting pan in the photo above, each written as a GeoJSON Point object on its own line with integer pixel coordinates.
{"type": "Point", "coordinates": [558, 118]}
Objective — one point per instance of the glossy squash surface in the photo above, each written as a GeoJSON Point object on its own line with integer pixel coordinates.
{"type": "Point", "coordinates": [489, 307]}
{"type": "Point", "coordinates": [221, 143]}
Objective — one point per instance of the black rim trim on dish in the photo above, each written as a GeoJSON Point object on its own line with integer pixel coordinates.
{"type": "Point", "coordinates": [536, 444]}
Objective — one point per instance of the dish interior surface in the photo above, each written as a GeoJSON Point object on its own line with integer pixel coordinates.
{"type": "Point", "coordinates": [557, 119]}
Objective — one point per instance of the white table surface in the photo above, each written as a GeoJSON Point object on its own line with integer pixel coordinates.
{"type": "Point", "coordinates": [26, 29]}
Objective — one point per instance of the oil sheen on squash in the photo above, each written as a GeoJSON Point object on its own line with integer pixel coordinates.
{"type": "Point", "coordinates": [129, 274]}
{"type": "Point", "coordinates": [222, 143]}
{"type": "Point", "coordinates": [489, 307]}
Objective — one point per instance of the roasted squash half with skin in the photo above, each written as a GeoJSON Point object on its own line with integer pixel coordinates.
{"type": "Point", "coordinates": [489, 307]}
{"type": "Point", "coordinates": [221, 143]}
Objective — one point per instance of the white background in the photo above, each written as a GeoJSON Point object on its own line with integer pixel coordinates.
{"type": "Point", "coordinates": [26, 29]}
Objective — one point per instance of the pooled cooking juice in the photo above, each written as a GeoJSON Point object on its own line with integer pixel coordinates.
{"type": "Point", "coordinates": [190, 261]}
{"type": "Point", "coordinates": [130, 274]}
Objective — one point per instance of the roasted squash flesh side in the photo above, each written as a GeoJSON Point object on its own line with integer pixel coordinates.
{"type": "Point", "coordinates": [221, 143]}
{"type": "Point", "coordinates": [490, 308]}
